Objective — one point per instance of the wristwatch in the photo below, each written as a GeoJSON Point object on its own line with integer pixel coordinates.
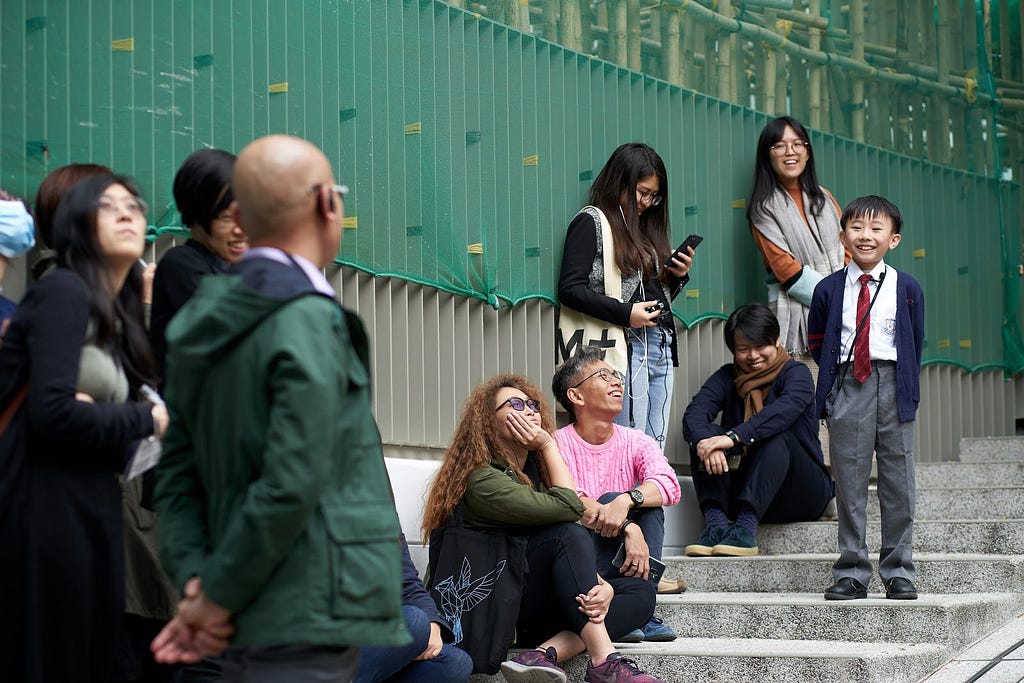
{"type": "Point", "coordinates": [736, 440]}
{"type": "Point", "coordinates": [637, 497]}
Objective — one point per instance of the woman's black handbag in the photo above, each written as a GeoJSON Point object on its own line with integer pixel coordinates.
{"type": "Point", "coordinates": [476, 579]}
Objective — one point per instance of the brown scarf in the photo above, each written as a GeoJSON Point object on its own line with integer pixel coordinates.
{"type": "Point", "coordinates": [753, 386]}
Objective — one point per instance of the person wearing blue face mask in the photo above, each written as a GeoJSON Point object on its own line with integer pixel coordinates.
{"type": "Point", "coordinates": [17, 235]}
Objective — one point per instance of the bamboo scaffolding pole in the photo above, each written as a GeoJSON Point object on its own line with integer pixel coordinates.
{"type": "Point", "coordinates": [817, 71]}
{"type": "Point", "coordinates": [725, 48]}
{"type": "Point", "coordinates": [549, 20]}
{"type": "Point", "coordinates": [769, 65]}
{"type": "Point", "coordinates": [857, 98]}
{"type": "Point", "coordinates": [633, 34]}
{"type": "Point", "coordinates": [570, 26]}
{"type": "Point", "coordinates": [1020, 26]}
{"type": "Point", "coordinates": [1005, 62]}
{"type": "Point", "coordinates": [694, 73]}
{"type": "Point", "coordinates": [672, 45]}
{"type": "Point", "coordinates": [618, 17]}
{"type": "Point", "coordinates": [925, 38]}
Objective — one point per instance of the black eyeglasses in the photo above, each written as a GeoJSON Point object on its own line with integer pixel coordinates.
{"type": "Point", "coordinates": [609, 376]}
{"type": "Point", "coordinates": [519, 404]}
{"type": "Point", "coordinates": [652, 198]}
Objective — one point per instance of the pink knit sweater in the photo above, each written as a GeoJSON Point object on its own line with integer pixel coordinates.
{"type": "Point", "coordinates": [626, 460]}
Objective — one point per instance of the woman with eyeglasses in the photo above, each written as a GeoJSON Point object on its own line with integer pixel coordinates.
{"type": "Point", "coordinates": [631, 193]}
{"type": "Point", "coordinates": [504, 470]}
{"type": "Point", "coordinates": [795, 223]}
{"type": "Point", "coordinates": [77, 347]}
{"type": "Point", "coordinates": [202, 193]}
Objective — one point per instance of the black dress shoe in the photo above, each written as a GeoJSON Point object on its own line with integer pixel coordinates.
{"type": "Point", "coordinates": [900, 589]}
{"type": "Point", "coordinates": [846, 589]}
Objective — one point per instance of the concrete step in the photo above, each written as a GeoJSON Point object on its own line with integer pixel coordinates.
{"type": "Point", "coordinates": [1001, 502]}
{"type": "Point", "coordinates": [955, 621]}
{"type": "Point", "coordinates": [997, 537]}
{"type": "Point", "coordinates": [757, 659]}
{"type": "Point", "coordinates": [949, 474]}
{"type": "Point", "coordinates": [812, 573]}
{"type": "Point", "coordinates": [1000, 652]}
{"type": "Point", "coordinates": [992, 448]}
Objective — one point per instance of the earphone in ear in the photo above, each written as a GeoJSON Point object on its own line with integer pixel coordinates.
{"type": "Point", "coordinates": [330, 199]}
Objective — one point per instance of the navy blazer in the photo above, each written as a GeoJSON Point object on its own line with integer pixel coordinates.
{"type": "Point", "coordinates": [789, 406]}
{"type": "Point", "coordinates": [825, 329]}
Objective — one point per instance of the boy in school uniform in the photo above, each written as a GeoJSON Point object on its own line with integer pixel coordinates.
{"type": "Point", "coordinates": [866, 331]}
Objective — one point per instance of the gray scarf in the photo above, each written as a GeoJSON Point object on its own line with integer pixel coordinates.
{"type": "Point", "coordinates": [818, 248]}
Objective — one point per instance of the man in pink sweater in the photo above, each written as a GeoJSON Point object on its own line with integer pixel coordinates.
{"type": "Point", "coordinates": [621, 475]}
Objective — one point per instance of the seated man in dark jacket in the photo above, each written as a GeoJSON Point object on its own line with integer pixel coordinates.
{"type": "Point", "coordinates": [428, 658]}
{"type": "Point", "coordinates": [762, 460]}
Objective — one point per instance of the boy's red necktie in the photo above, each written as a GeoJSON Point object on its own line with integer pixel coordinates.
{"type": "Point", "coordinates": [862, 347]}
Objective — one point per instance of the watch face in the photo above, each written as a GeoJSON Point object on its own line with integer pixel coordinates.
{"type": "Point", "coordinates": [637, 496]}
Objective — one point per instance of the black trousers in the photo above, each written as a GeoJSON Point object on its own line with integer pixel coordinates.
{"type": "Point", "coordinates": [561, 564]}
{"type": "Point", "coordinates": [780, 481]}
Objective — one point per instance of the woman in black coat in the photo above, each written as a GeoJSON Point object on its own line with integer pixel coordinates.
{"type": "Point", "coordinates": [77, 342]}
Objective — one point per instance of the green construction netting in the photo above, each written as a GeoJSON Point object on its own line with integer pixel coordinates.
{"type": "Point", "coordinates": [468, 146]}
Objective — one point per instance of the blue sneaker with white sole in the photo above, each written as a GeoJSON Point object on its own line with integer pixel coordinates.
{"type": "Point", "coordinates": [657, 631]}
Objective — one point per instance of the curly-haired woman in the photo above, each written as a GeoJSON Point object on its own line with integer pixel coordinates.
{"type": "Point", "coordinates": [504, 468]}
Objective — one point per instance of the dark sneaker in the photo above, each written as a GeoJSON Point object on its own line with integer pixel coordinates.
{"type": "Point", "coordinates": [634, 636]}
{"type": "Point", "coordinates": [706, 543]}
{"type": "Point", "coordinates": [533, 666]}
{"type": "Point", "coordinates": [618, 669]}
{"type": "Point", "coordinates": [737, 542]}
{"type": "Point", "coordinates": [655, 631]}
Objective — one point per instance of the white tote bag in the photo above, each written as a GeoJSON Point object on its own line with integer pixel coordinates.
{"type": "Point", "coordinates": [577, 329]}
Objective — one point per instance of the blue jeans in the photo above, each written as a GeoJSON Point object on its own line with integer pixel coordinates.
{"type": "Point", "coordinates": [651, 522]}
{"type": "Point", "coordinates": [395, 665]}
{"type": "Point", "coordinates": [649, 383]}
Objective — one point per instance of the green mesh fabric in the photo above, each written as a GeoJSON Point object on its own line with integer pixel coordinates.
{"type": "Point", "coordinates": [467, 146]}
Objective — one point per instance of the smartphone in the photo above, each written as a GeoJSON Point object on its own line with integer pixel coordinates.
{"type": "Point", "coordinates": [657, 566]}
{"type": "Point", "coordinates": [690, 241]}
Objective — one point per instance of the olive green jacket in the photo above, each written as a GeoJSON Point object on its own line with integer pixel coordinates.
{"type": "Point", "coordinates": [496, 498]}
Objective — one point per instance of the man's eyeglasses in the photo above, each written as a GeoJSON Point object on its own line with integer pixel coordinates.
{"type": "Point", "coordinates": [341, 190]}
{"type": "Point", "coordinates": [609, 376]}
{"type": "Point", "coordinates": [780, 149]}
{"type": "Point", "coordinates": [652, 198]}
{"type": "Point", "coordinates": [519, 405]}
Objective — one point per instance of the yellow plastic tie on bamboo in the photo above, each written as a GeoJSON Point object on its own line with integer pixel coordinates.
{"type": "Point", "coordinates": [692, 293]}
{"type": "Point", "coordinates": [971, 85]}
{"type": "Point", "coordinates": [532, 160]}
{"type": "Point", "coordinates": [476, 248]}
{"type": "Point", "coordinates": [278, 87]}
{"type": "Point", "coordinates": [740, 203]}
{"type": "Point", "coordinates": [414, 128]}
{"type": "Point", "coordinates": [123, 45]}
{"type": "Point", "coordinates": [965, 343]}
{"type": "Point", "coordinates": [943, 344]}
{"type": "Point", "coordinates": [918, 253]}
{"type": "Point", "coordinates": [350, 222]}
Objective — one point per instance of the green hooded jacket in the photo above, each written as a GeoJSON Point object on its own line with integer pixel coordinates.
{"type": "Point", "coordinates": [272, 487]}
